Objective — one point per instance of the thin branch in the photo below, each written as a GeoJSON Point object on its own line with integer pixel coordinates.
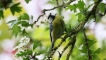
{"type": "Point", "coordinates": [69, 44]}
{"type": "Point", "coordinates": [38, 18]}
{"type": "Point", "coordinates": [63, 5]}
{"type": "Point", "coordinates": [57, 2]}
{"type": "Point", "coordinates": [73, 43]}
{"type": "Point", "coordinates": [87, 45]}
{"type": "Point", "coordinates": [44, 10]}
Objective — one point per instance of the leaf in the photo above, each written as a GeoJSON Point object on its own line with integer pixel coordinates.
{"type": "Point", "coordinates": [102, 7]}
{"type": "Point", "coordinates": [29, 52]}
{"type": "Point", "coordinates": [98, 51]}
{"type": "Point", "coordinates": [1, 14]}
{"type": "Point", "coordinates": [71, 7]}
{"type": "Point", "coordinates": [83, 49]}
{"type": "Point", "coordinates": [36, 44]}
{"type": "Point", "coordinates": [24, 23]}
{"type": "Point", "coordinates": [24, 16]}
{"type": "Point", "coordinates": [88, 7]}
{"type": "Point", "coordinates": [27, 1]}
{"type": "Point", "coordinates": [81, 17]}
{"type": "Point", "coordinates": [83, 56]}
{"type": "Point", "coordinates": [12, 21]}
{"type": "Point", "coordinates": [22, 53]}
{"type": "Point", "coordinates": [81, 5]}
{"type": "Point", "coordinates": [40, 52]}
{"type": "Point", "coordinates": [91, 42]}
{"type": "Point", "coordinates": [26, 58]}
{"type": "Point", "coordinates": [16, 29]}
{"type": "Point", "coordinates": [14, 8]}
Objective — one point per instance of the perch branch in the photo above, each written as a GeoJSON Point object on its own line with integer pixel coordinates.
{"type": "Point", "coordinates": [87, 45]}
{"type": "Point", "coordinates": [73, 43]}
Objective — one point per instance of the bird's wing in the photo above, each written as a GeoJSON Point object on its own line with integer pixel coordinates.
{"type": "Point", "coordinates": [51, 28]}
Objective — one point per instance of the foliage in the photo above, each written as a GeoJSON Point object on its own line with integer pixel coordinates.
{"type": "Point", "coordinates": [82, 49]}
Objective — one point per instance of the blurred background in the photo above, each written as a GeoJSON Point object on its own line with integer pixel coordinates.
{"type": "Point", "coordinates": [95, 30]}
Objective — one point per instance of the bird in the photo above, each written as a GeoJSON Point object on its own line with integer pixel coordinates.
{"type": "Point", "coordinates": [57, 27]}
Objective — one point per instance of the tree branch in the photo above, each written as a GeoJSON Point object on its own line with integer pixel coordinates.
{"type": "Point", "coordinates": [44, 10]}
{"type": "Point", "coordinates": [57, 2]}
{"type": "Point", "coordinates": [72, 43]}
{"type": "Point", "coordinates": [87, 45]}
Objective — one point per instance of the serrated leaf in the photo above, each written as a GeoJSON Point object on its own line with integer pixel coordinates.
{"type": "Point", "coordinates": [81, 4]}
{"type": "Point", "coordinates": [71, 7]}
{"type": "Point", "coordinates": [24, 16]}
{"type": "Point", "coordinates": [1, 14]}
{"type": "Point", "coordinates": [98, 51]}
{"type": "Point", "coordinates": [15, 8]}
{"type": "Point", "coordinates": [27, 1]}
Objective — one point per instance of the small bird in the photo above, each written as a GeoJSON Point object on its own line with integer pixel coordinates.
{"type": "Point", "coordinates": [57, 27]}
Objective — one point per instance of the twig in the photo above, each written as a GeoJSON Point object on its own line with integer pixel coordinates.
{"type": "Point", "coordinates": [57, 2]}
{"type": "Point", "coordinates": [38, 19]}
{"type": "Point", "coordinates": [73, 43]}
{"type": "Point", "coordinates": [87, 45]}
{"type": "Point", "coordinates": [69, 43]}
{"type": "Point", "coordinates": [44, 10]}
{"type": "Point", "coordinates": [63, 5]}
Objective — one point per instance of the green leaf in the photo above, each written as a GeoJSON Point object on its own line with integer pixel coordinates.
{"type": "Point", "coordinates": [40, 52]}
{"type": "Point", "coordinates": [1, 14]}
{"type": "Point", "coordinates": [83, 49]}
{"type": "Point", "coordinates": [26, 58]}
{"type": "Point", "coordinates": [71, 7]}
{"type": "Point", "coordinates": [83, 56]}
{"type": "Point", "coordinates": [22, 53]}
{"type": "Point", "coordinates": [88, 7]}
{"type": "Point", "coordinates": [16, 29]}
{"type": "Point", "coordinates": [98, 51]}
{"type": "Point", "coordinates": [24, 32]}
{"type": "Point", "coordinates": [27, 1]}
{"type": "Point", "coordinates": [24, 23]}
{"type": "Point", "coordinates": [91, 42]}
{"type": "Point", "coordinates": [36, 44]}
{"type": "Point", "coordinates": [81, 17]}
{"type": "Point", "coordinates": [102, 7]}
{"type": "Point", "coordinates": [29, 52]}
{"type": "Point", "coordinates": [12, 21]}
{"type": "Point", "coordinates": [81, 5]}
{"type": "Point", "coordinates": [68, 27]}
{"type": "Point", "coordinates": [24, 16]}
{"type": "Point", "coordinates": [15, 8]}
